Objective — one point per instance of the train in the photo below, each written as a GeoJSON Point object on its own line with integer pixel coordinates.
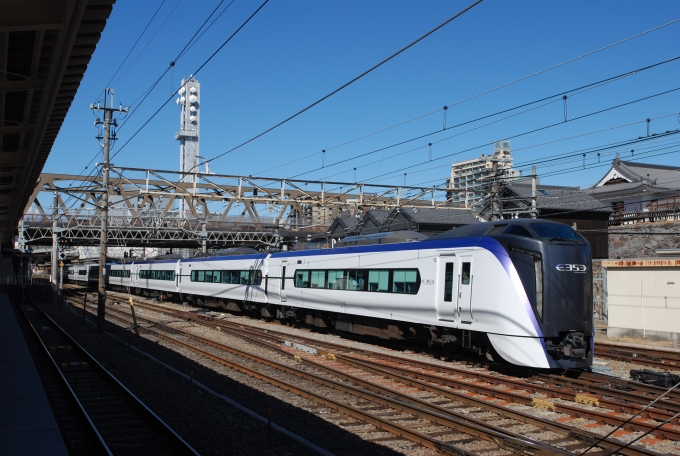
{"type": "Point", "coordinates": [517, 291]}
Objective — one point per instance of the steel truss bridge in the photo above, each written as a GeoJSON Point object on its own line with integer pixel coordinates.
{"type": "Point", "coordinates": [222, 210]}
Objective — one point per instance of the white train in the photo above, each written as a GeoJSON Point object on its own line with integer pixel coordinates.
{"type": "Point", "coordinates": [520, 290]}
{"type": "Point", "coordinates": [82, 273]}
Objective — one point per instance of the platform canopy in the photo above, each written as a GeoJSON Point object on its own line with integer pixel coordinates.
{"type": "Point", "coordinates": [45, 47]}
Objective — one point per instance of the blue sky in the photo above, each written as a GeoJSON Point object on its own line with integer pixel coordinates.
{"type": "Point", "coordinates": [294, 52]}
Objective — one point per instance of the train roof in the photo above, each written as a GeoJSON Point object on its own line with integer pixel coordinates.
{"type": "Point", "coordinates": [389, 237]}
{"type": "Point", "coordinates": [538, 229]}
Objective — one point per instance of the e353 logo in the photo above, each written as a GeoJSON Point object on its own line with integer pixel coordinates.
{"type": "Point", "coordinates": [571, 267]}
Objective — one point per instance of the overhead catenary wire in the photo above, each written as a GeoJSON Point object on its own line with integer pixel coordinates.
{"type": "Point", "coordinates": [555, 98]}
{"type": "Point", "coordinates": [325, 97]}
{"type": "Point", "coordinates": [148, 44]}
{"type": "Point", "coordinates": [194, 73]}
{"type": "Point", "coordinates": [135, 44]}
{"type": "Point", "coordinates": [481, 94]}
{"type": "Point", "coordinates": [545, 127]}
{"type": "Point", "coordinates": [193, 40]}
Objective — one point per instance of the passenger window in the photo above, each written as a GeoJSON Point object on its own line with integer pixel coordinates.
{"type": "Point", "coordinates": [318, 279]}
{"type": "Point", "coordinates": [448, 282]}
{"type": "Point", "coordinates": [465, 274]}
{"type": "Point", "coordinates": [201, 276]}
{"type": "Point", "coordinates": [405, 281]}
{"type": "Point", "coordinates": [245, 277]}
{"type": "Point", "coordinates": [302, 279]}
{"type": "Point", "coordinates": [337, 280]}
{"type": "Point", "coordinates": [378, 280]}
{"type": "Point", "coordinates": [358, 279]}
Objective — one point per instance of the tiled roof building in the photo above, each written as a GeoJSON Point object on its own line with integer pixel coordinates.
{"type": "Point", "coordinates": [632, 186]}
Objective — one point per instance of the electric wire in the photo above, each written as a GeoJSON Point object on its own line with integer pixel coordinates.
{"type": "Point", "coordinates": [475, 3]}
{"type": "Point", "coordinates": [149, 43]}
{"type": "Point", "coordinates": [555, 98]}
{"type": "Point", "coordinates": [194, 73]}
{"type": "Point", "coordinates": [136, 42]}
{"type": "Point", "coordinates": [477, 95]}
{"type": "Point", "coordinates": [545, 127]}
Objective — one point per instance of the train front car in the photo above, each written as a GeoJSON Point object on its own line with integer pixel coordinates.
{"type": "Point", "coordinates": [553, 264]}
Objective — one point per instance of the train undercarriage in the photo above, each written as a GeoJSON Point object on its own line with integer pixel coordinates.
{"type": "Point", "coordinates": [447, 341]}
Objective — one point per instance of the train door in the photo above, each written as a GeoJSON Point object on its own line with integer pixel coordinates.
{"type": "Point", "coordinates": [284, 263]}
{"type": "Point", "coordinates": [178, 276]}
{"type": "Point", "coordinates": [446, 305]}
{"type": "Point", "coordinates": [465, 289]}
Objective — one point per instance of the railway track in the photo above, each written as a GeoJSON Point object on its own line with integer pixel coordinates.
{"type": "Point", "coordinates": [426, 378]}
{"type": "Point", "coordinates": [662, 359]}
{"type": "Point", "coordinates": [122, 423]}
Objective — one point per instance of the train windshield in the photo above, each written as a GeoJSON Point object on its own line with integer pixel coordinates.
{"type": "Point", "coordinates": [556, 232]}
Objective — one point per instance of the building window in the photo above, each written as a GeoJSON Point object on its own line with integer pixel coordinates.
{"type": "Point", "coordinates": [618, 206]}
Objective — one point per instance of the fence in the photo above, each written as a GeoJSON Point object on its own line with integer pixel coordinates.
{"type": "Point", "coordinates": [632, 217]}
{"type": "Point", "coordinates": [12, 279]}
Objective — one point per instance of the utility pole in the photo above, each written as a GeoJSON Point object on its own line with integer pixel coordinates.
{"type": "Point", "coordinates": [104, 202]}
{"type": "Point", "coordinates": [55, 248]}
{"type": "Point", "coordinates": [533, 192]}
{"type": "Point", "coordinates": [495, 194]}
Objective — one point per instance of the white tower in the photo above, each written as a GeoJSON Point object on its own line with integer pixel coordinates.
{"type": "Point", "coordinates": [189, 133]}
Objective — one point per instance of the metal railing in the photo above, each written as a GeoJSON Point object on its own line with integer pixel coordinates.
{"type": "Point", "coordinates": [16, 279]}
{"type": "Point", "coordinates": [632, 217]}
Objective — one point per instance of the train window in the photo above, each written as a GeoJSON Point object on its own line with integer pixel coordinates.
{"type": "Point", "coordinates": [283, 278]}
{"type": "Point", "coordinates": [243, 277]}
{"type": "Point", "coordinates": [318, 279]}
{"type": "Point", "coordinates": [448, 282]}
{"type": "Point", "coordinates": [82, 272]}
{"type": "Point", "coordinates": [518, 230]}
{"type": "Point", "coordinates": [378, 280]}
{"type": "Point", "coordinates": [337, 280]}
{"type": "Point", "coordinates": [358, 280]}
{"type": "Point", "coordinates": [538, 268]}
{"type": "Point", "coordinates": [556, 231]}
{"type": "Point", "coordinates": [157, 275]}
{"type": "Point", "coordinates": [405, 281]}
{"type": "Point", "coordinates": [302, 279]}
{"type": "Point", "coordinates": [465, 274]}
{"type": "Point", "coordinates": [120, 273]}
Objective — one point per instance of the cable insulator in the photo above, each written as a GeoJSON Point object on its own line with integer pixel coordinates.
{"type": "Point", "coordinates": [564, 101]}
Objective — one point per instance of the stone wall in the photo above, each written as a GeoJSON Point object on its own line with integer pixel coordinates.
{"type": "Point", "coordinates": [642, 239]}
{"type": "Point", "coordinates": [599, 310]}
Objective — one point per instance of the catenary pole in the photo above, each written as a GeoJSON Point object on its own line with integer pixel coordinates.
{"type": "Point", "coordinates": [104, 203]}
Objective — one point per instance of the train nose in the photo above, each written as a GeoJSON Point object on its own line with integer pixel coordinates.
{"type": "Point", "coordinates": [570, 325]}
{"type": "Point", "coordinates": [571, 286]}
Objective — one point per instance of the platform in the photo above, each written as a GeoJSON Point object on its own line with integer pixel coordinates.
{"type": "Point", "coordinates": [27, 424]}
